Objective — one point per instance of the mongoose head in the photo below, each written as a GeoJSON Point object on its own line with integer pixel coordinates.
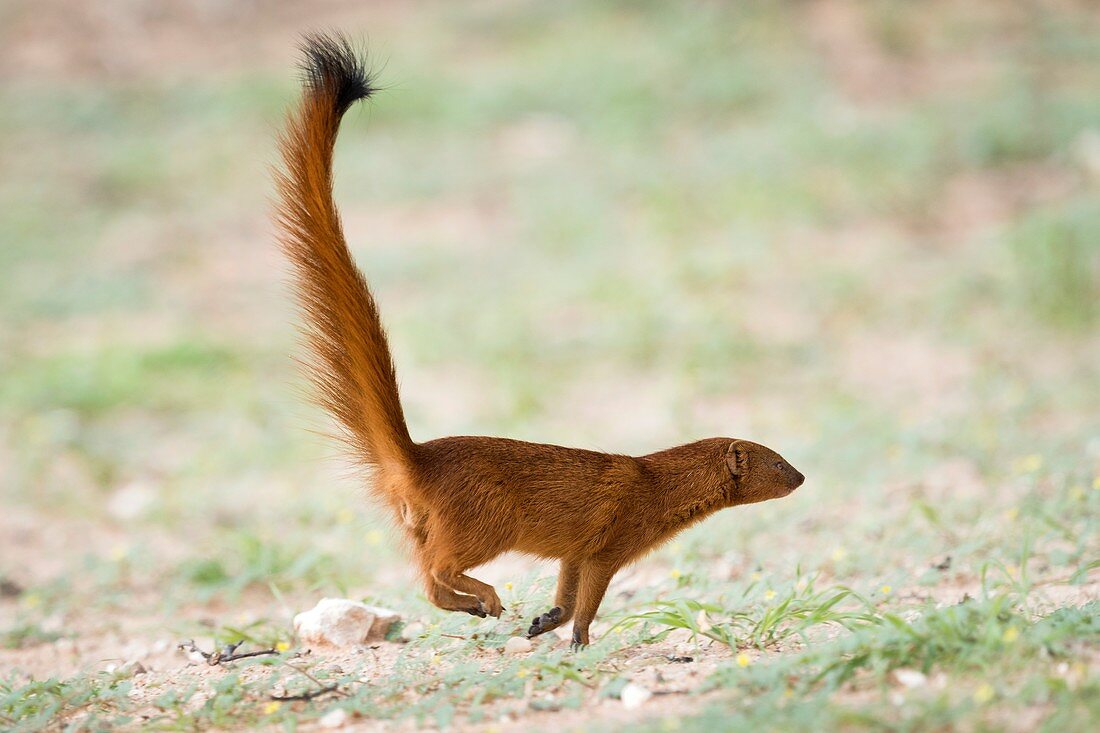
{"type": "Point", "coordinates": [759, 473]}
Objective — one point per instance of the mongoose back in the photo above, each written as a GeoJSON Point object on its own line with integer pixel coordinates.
{"type": "Point", "coordinates": [464, 500]}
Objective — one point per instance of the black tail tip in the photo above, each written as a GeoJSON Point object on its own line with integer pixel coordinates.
{"type": "Point", "coordinates": [331, 65]}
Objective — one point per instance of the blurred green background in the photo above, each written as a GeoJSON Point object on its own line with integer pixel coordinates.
{"type": "Point", "coordinates": [864, 233]}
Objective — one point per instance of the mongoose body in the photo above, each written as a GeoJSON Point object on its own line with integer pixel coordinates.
{"type": "Point", "coordinates": [464, 500]}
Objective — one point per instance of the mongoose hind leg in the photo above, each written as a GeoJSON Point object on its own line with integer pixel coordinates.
{"type": "Point", "coordinates": [564, 601]}
{"type": "Point", "coordinates": [445, 598]}
{"type": "Point", "coordinates": [449, 593]}
{"type": "Point", "coordinates": [451, 548]}
{"type": "Point", "coordinates": [485, 593]}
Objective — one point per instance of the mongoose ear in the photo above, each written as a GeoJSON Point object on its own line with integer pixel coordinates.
{"type": "Point", "coordinates": [737, 458]}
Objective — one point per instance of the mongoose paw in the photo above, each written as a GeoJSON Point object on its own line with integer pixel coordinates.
{"type": "Point", "coordinates": [547, 621]}
{"type": "Point", "coordinates": [580, 641]}
{"type": "Point", "coordinates": [478, 610]}
{"type": "Point", "coordinates": [492, 608]}
{"type": "Point", "coordinates": [576, 646]}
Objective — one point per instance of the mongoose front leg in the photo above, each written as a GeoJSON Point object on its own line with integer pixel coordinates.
{"type": "Point", "coordinates": [564, 601]}
{"type": "Point", "coordinates": [486, 595]}
{"type": "Point", "coordinates": [594, 577]}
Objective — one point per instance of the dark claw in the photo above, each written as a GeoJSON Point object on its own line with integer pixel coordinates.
{"type": "Point", "coordinates": [545, 622]}
{"type": "Point", "coordinates": [576, 646]}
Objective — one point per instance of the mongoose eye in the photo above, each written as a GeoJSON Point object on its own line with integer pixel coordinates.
{"type": "Point", "coordinates": [779, 464]}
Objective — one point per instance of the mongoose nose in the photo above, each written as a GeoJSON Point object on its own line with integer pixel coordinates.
{"type": "Point", "coordinates": [799, 479]}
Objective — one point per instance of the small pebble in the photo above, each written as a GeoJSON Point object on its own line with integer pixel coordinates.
{"type": "Point", "coordinates": [337, 718]}
{"type": "Point", "coordinates": [131, 501]}
{"type": "Point", "coordinates": [9, 588]}
{"type": "Point", "coordinates": [517, 645]}
{"type": "Point", "coordinates": [910, 678]}
{"type": "Point", "coordinates": [634, 696]}
{"type": "Point", "coordinates": [412, 631]}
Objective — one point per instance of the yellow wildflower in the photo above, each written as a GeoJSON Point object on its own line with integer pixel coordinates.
{"type": "Point", "coordinates": [984, 694]}
{"type": "Point", "coordinates": [1028, 464]}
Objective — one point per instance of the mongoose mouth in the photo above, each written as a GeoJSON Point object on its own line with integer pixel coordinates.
{"type": "Point", "coordinates": [798, 480]}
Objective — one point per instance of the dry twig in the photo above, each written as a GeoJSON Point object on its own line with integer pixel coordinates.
{"type": "Point", "coordinates": [322, 688]}
{"type": "Point", "coordinates": [227, 653]}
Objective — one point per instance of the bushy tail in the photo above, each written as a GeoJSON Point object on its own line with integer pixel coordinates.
{"type": "Point", "coordinates": [350, 366]}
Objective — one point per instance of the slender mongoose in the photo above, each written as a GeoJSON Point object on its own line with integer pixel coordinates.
{"type": "Point", "coordinates": [464, 500]}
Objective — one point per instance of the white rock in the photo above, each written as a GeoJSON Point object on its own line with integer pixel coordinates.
{"type": "Point", "coordinates": [634, 696]}
{"type": "Point", "coordinates": [129, 669]}
{"type": "Point", "coordinates": [910, 678]}
{"type": "Point", "coordinates": [53, 623]}
{"type": "Point", "coordinates": [341, 622]}
{"type": "Point", "coordinates": [517, 645]}
{"type": "Point", "coordinates": [337, 718]}
{"type": "Point", "coordinates": [131, 501]}
{"type": "Point", "coordinates": [195, 657]}
{"type": "Point", "coordinates": [412, 631]}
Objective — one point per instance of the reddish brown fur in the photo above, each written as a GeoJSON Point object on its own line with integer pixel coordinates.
{"type": "Point", "coordinates": [465, 500]}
